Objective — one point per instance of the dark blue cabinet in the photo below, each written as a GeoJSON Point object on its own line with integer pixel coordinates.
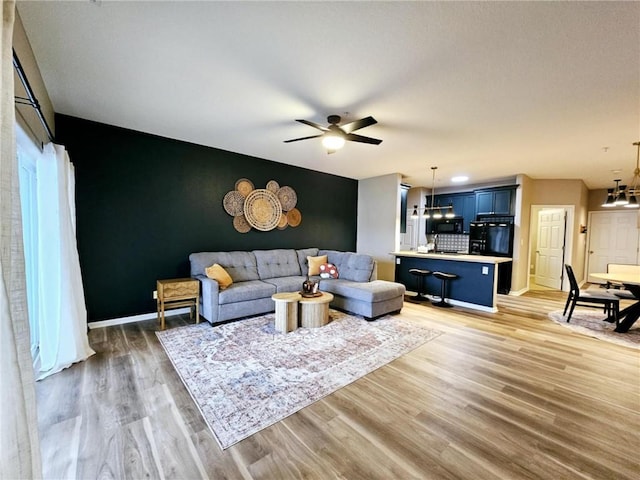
{"type": "Point", "coordinates": [498, 201]}
{"type": "Point", "coordinates": [404, 191]}
{"type": "Point", "coordinates": [464, 205]}
{"type": "Point", "coordinates": [468, 205]}
{"type": "Point", "coordinates": [469, 210]}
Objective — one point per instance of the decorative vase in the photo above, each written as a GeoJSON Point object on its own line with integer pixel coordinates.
{"type": "Point", "coordinates": [307, 286]}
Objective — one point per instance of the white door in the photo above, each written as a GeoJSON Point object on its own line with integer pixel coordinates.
{"type": "Point", "coordinates": [550, 253]}
{"type": "Point", "coordinates": [409, 240]}
{"type": "Point", "coordinates": [613, 238]}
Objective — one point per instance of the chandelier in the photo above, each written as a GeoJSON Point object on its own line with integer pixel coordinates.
{"type": "Point", "coordinates": [623, 195]}
{"type": "Point", "coordinates": [433, 211]}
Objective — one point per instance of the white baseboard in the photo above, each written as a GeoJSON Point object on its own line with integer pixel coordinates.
{"type": "Point", "coordinates": [136, 318]}
{"type": "Point", "coordinates": [517, 293]}
{"type": "Point", "coordinates": [458, 303]}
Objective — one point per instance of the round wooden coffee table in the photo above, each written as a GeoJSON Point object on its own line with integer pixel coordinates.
{"type": "Point", "coordinates": [314, 311]}
{"type": "Point", "coordinates": [286, 311]}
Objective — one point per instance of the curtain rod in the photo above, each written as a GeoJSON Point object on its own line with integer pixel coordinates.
{"type": "Point", "coordinates": [31, 99]}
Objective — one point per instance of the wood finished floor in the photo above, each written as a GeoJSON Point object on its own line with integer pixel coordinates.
{"type": "Point", "coordinates": [509, 395]}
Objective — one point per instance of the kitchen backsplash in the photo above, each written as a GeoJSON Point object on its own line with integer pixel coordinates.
{"type": "Point", "coordinates": [453, 242]}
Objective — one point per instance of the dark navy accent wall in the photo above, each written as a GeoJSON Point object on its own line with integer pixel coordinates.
{"type": "Point", "coordinates": [144, 203]}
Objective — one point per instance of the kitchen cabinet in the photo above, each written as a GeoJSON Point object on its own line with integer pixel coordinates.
{"type": "Point", "coordinates": [464, 205]}
{"type": "Point", "coordinates": [497, 201]}
{"type": "Point", "coordinates": [404, 192]}
{"type": "Point", "coordinates": [468, 210]}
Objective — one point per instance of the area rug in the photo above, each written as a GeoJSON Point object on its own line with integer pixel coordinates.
{"type": "Point", "coordinates": [589, 322]}
{"type": "Point", "coordinates": [244, 376]}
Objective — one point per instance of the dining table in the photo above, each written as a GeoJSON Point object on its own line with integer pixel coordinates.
{"type": "Point", "coordinates": [631, 281]}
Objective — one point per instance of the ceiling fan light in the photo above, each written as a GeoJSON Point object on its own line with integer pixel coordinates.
{"type": "Point", "coordinates": [333, 142]}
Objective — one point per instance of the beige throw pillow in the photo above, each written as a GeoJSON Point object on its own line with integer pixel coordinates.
{"type": "Point", "coordinates": [314, 264]}
{"type": "Point", "coordinates": [220, 275]}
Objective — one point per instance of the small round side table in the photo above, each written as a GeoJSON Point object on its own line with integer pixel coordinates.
{"type": "Point", "coordinates": [286, 311]}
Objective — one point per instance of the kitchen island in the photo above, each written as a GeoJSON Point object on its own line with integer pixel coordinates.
{"type": "Point", "coordinates": [477, 283]}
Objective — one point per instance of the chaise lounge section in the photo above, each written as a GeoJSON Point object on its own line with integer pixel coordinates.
{"type": "Point", "coordinates": [257, 275]}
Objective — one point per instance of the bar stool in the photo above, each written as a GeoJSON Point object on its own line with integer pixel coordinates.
{"type": "Point", "coordinates": [444, 277]}
{"type": "Point", "coordinates": [420, 275]}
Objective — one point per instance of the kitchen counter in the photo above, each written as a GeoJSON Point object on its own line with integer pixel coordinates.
{"type": "Point", "coordinates": [477, 283]}
{"type": "Point", "coordinates": [460, 257]}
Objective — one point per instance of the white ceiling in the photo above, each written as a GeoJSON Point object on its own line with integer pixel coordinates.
{"type": "Point", "coordinates": [486, 89]}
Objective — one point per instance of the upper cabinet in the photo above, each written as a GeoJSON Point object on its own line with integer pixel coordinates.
{"type": "Point", "coordinates": [464, 205]}
{"type": "Point", "coordinates": [404, 192]}
{"type": "Point", "coordinates": [495, 201]}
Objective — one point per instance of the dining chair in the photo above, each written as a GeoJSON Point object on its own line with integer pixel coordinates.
{"type": "Point", "coordinates": [590, 298]}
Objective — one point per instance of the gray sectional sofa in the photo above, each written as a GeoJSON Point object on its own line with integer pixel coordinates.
{"type": "Point", "coordinates": [258, 274]}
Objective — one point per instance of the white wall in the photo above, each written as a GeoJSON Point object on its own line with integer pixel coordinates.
{"type": "Point", "coordinates": [379, 220]}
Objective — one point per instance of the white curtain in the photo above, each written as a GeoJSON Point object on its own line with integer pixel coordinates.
{"type": "Point", "coordinates": [19, 444]}
{"type": "Point", "coordinates": [62, 314]}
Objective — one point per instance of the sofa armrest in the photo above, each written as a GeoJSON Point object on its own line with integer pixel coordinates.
{"type": "Point", "coordinates": [374, 271]}
{"type": "Point", "coordinates": [209, 291]}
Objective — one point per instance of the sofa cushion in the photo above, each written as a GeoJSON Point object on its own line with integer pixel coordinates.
{"type": "Point", "coordinates": [371, 292]}
{"type": "Point", "coordinates": [314, 264]}
{"type": "Point", "coordinates": [241, 266]}
{"type": "Point", "coordinates": [302, 258]}
{"type": "Point", "coordinates": [277, 263]}
{"type": "Point", "coordinates": [352, 266]}
{"type": "Point", "coordinates": [287, 284]}
{"type": "Point", "coordinates": [329, 270]}
{"type": "Point", "coordinates": [243, 291]}
{"type": "Point", "coordinates": [220, 275]}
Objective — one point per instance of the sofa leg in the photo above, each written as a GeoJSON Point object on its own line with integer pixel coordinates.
{"type": "Point", "coordinates": [371, 319]}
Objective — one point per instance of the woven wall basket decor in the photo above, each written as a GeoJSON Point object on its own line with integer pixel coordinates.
{"type": "Point", "coordinates": [273, 186]}
{"type": "Point", "coordinates": [262, 210]}
{"type": "Point", "coordinates": [240, 224]}
{"type": "Point", "coordinates": [283, 223]}
{"type": "Point", "coordinates": [233, 203]}
{"type": "Point", "coordinates": [287, 197]}
{"type": "Point", "coordinates": [294, 217]}
{"type": "Point", "coordinates": [244, 186]}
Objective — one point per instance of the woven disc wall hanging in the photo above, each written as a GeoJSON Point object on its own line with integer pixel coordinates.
{"type": "Point", "coordinates": [262, 210]}
{"type": "Point", "coordinates": [244, 186]}
{"type": "Point", "coordinates": [294, 217]}
{"type": "Point", "coordinates": [287, 197]}
{"type": "Point", "coordinates": [240, 224]}
{"type": "Point", "coordinates": [283, 223]}
{"type": "Point", "coordinates": [273, 186]}
{"type": "Point", "coordinates": [233, 203]}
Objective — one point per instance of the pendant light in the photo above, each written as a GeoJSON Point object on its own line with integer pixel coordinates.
{"type": "Point", "coordinates": [437, 210]}
{"type": "Point", "coordinates": [623, 195]}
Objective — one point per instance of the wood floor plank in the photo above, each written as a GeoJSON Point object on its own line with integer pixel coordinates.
{"type": "Point", "coordinates": [507, 395]}
{"type": "Point", "coordinates": [60, 459]}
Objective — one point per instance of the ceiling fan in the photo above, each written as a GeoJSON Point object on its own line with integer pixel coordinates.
{"type": "Point", "coordinates": [334, 135]}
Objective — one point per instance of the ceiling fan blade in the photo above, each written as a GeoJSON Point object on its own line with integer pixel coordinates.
{"type": "Point", "coordinates": [303, 138]}
{"type": "Point", "coordinates": [314, 125]}
{"type": "Point", "coordinates": [358, 124]}
{"type": "Point", "coordinates": [352, 137]}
